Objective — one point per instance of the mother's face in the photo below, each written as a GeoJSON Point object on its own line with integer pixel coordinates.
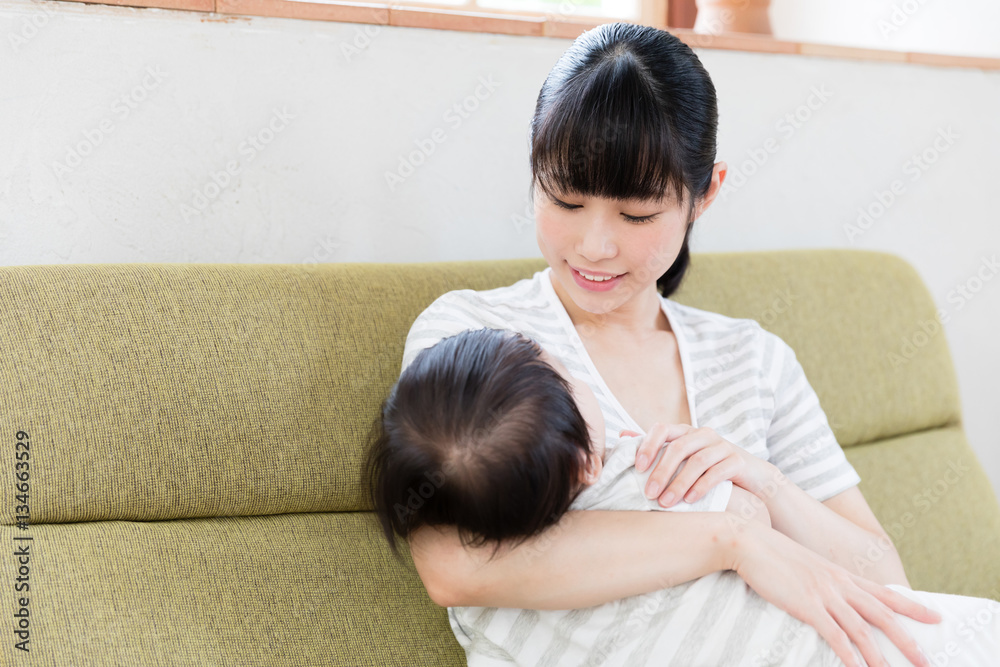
{"type": "Point", "coordinates": [636, 241]}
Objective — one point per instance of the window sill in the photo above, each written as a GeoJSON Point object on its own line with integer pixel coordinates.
{"type": "Point", "coordinates": [537, 26]}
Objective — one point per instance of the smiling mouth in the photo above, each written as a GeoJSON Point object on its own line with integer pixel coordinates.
{"type": "Point", "coordinates": [597, 277]}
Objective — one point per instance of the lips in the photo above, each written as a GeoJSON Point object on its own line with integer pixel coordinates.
{"type": "Point", "coordinates": [596, 285]}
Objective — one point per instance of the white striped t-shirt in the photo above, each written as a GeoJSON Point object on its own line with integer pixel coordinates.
{"type": "Point", "coordinates": [742, 381]}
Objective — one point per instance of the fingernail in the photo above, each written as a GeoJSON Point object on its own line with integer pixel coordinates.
{"type": "Point", "coordinates": [652, 490]}
{"type": "Point", "coordinates": [641, 462]}
{"type": "Point", "coordinates": [668, 498]}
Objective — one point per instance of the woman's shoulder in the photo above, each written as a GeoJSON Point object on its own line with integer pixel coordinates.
{"type": "Point", "coordinates": [728, 335]}
{"type": "Point", "coordinates": [709, 325]}
{"type": "Point", "coordinates": [496, 295]}
{"type": "Point", "coordinates": [524, 291]}
{"type": "Point", "coordinates": [462, 309]}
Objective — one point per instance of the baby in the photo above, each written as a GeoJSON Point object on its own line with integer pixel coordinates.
{"type": "Point", "coordinates": [488, 432]}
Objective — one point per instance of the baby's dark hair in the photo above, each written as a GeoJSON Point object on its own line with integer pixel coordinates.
{"type": "Point", "coordinates": [480, 433]}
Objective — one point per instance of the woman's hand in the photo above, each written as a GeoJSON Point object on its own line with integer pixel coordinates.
{"type": "Point", "coordinates": [841, 606]}
{"type": "Point", "coordinates": [711, 459]}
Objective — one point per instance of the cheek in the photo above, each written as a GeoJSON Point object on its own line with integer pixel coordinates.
{"type": "Point", "coordinates": [660, 246]}
{"type": "Point", "coordinates": [550, 231]}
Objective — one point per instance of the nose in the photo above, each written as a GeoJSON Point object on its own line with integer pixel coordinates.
{"type": "Point", "coordinates": [597, 241]}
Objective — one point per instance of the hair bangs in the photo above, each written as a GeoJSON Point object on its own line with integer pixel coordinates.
{"type": "Point", "coordinates": [606, 136]}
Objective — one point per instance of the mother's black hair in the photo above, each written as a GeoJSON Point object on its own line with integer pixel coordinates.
{"type": "Point", "coordinates": [480, 433]}
{"type": "Point", "coordinates": [628, 112]}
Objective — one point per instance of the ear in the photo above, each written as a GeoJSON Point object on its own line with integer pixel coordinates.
{"type": "Point", "coordinates": [591, 469]}
{"type": "Point", "coordinates": [719, 172]}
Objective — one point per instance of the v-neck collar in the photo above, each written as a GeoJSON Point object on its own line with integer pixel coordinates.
{"type": "Point", "coordinates": [567, 324]}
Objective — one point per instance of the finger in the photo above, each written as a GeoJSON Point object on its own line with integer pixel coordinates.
{"type": "Point", "coordinates": [830, 630]}
{"type": "Point", "coordinates": [715, 475]}
{"type": "Point", "coordinates": [679, 450]}
{"type": "Point", "coordinates": [627, 432]}
{"type": "Point", "coordinates": [654, 439]}
{"type": "Point", "coordinates": [649, 446]}
{"type": "Point", "coordinates": [882, 617]}
{"type": "Point", "coordinates": [690, 477]}
{"type": "Point", "coordinates": [898, 602]}
{"type": "Point", "coordinates": [860, 632]}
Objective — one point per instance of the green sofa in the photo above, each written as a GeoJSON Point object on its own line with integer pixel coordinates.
{"type": "Point", "coordinates": [195, 434]}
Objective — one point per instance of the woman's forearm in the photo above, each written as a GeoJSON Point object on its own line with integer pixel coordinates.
{"type": "Point", "coordinates": [590, 557]}
{"type": "Point", "coordinates": [817, 527]}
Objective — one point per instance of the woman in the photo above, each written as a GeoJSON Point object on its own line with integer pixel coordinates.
{"type": "Point", "coordinates": [622, 154]}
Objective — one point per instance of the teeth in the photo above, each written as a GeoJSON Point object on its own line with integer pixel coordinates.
{"type": "Point", "coordinates": [599, 279]}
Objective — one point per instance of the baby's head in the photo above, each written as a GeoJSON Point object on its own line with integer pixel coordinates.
{"type": "Point", "coordinates": [487, 432]}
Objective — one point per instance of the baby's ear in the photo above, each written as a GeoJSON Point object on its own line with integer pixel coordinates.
{"type": "Point", "coordinates": [591, 469]}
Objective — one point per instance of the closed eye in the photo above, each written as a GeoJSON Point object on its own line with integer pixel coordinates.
{"type": "Point", "coordinates": [562, 204]}
{"type": "Point", "coordinates": [630, 218]}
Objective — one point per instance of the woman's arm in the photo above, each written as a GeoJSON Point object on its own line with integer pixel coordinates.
{"type": "Point", "coordinates": [804, 580]}
{"type": "Point", "coordinates": [832, 534]}
{"type": "Point", "coordinates": [589, 557]}
{"type": "Point", "coordinates": [579, 563]}
{"type": "Point", "coordinates": [800, 439]}
{"type": "Point", "coordinates": [835, 535]}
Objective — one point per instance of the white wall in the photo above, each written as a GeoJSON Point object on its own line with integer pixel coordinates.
{"type": "Point", "coordinates": [171, 98]}
{"type": "Point", "coordinates": [957, 27]}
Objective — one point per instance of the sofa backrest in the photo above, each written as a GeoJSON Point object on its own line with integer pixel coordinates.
{"type": "Point", "coordinates": [237, 399]}
{"type": "Point", "coordinates": [232, 390]}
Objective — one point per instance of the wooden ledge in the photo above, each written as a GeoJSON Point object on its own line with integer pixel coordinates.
{"type": "Point", "coordinates": [511, 23]}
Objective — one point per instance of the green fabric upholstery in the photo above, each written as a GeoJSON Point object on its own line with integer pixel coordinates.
{"type": "Point", "coordinates": [197, 432]}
